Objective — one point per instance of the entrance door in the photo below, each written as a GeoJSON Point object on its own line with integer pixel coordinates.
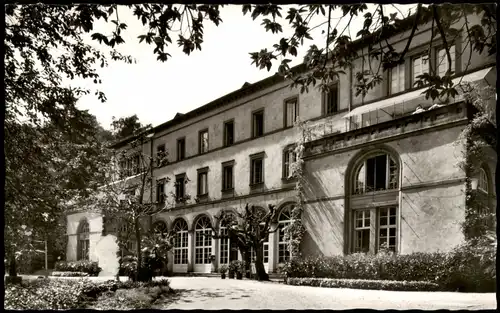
{"type": "Point", "coordinates": [203, 246]}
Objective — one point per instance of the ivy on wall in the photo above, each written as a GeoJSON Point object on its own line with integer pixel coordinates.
{"type": "Point", "coordinates": [295, 231]}
{"type": "Point", "coordinates": [478, 137]}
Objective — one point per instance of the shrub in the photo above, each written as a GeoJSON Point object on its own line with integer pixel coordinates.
{"type": "Point", "coordinates": [92, 268]}
{"type": "Point", "coordinates": [223, 269]}
{"type": "Point", "coordinates": [365, 284]}
{"type": "Point", "coordinates": [70, 274]}
{"type": "Point", "coordinates": [468, 267]}
{"type": "Point", "coordinates": [234, 266]}
{"type": "Point", "coordinates": [54, 294]}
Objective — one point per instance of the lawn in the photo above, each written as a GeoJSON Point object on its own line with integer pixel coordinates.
{"type": "Point", "coordinates": [54, 294]}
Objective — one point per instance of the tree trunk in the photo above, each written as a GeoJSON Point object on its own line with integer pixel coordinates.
{"type": "Point", "coordinates": [259, 263]}
{"type": "Point", "coordinates": [247, 259]}
{"type": "Point", "coordinates": [138, 275]}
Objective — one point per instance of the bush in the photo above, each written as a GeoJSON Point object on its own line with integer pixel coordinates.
{"type": "Point", "coordinates": [468, 267]}
{"type": "Point", "coordinates": [92, 268]}
{"type": "Point", "coordinates": [56, 294]}
{"type": "Point", "coordinates": [365, 284]}
{"type": "Point", "coordinates": [70, 274]}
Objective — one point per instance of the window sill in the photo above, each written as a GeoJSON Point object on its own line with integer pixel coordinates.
{"type": "Point", "coordinates": [256, 187]}
{"type": "Point", "coordinates": [335, 113]}
{"type": "Point", "coordinates": [376, 192]}
{"type": "Point", "coordinates": [288, 179]}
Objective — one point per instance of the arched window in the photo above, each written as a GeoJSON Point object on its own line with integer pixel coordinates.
{"type": "Point", "coordinates": [203, 241]}
{"type": "Point", "coordinates": [378, 172]}
{"type": "Point", "coordinates": [160, 227]}
{"type": "Point", "coordinates": [482, 184]}
{"type": "Point", "coordinates": [284, 219]}
{"type": "Point", "coordinates": [83, 240]}
{"type": "Point", "coordinates": [180, 242]}
{"type": "Point", "coordinates": [227, 252]}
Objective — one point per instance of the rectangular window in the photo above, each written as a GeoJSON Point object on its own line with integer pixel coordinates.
{"type": "Point", "coordinates": [420, 66]}
{"type": "Point", "coordinates": [203, 142]}
{"type": "Point", "coordinates": [228, 133]}
{"type": "Point", "coordinates": [160, 154]}
{"type": "Point", "coordinates": [258, 124]}
{"type": "Point", "coordinates": [290, 112]}
{"type": "Point", "coordinates": [181, 149]}
{"type": "Point", "coordinates": [362, 231]}
{"type": "Point", "coordinates": [227, 176]}
{"type": "Point", "coordinates": [180, 186]}
{"type": "Point", "coordinates": [202, 182]}
{"type": "Point", "coordinates": [397, 79]}
{"type": "Point", "coordinates": [257, 170]}
{"type": "Point", "coordinates": [160, 191]}
{"type": "Point", "coordinates": [442, 61]}
{"type": "Point", "coordinates": [387, 228]}
{"type": "Point", "coordinates": [331, 99]}
{"type": "Point", "coordinates": [289, 157]}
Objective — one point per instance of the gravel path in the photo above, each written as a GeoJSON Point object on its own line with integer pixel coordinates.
{"type": "Point", "coordinates": [216, 293]}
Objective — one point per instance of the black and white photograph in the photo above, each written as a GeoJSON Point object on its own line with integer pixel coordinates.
{"type": "Point", "coordinates": [250, 156]}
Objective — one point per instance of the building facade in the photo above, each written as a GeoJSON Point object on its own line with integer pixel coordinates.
{"type": "Point", "coordinates": [380, 170]}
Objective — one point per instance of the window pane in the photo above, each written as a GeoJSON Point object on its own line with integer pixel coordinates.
{"type": "Point", "coordinates": [370, 174]}
{"type": "Point", "coordinates": [380, 172]}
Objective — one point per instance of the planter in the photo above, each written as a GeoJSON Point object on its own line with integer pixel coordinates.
{"type": "Point", "coordinates": [231, 275]}
{"type": "Point", "coordinates": [223, 276]}
{"type": "Point", "coordinates": [239, 275]}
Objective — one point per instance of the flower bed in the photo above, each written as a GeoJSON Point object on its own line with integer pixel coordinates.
{"type": "Point", "coordinates": [365, 284]}
{"type": "Point", "coordinates": [57, 294]}
{"type": "Point", "coordinates": [92, 268]}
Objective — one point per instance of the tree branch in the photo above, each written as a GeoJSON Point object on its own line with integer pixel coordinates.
{"type": "Point", "coordinates": [443, 36]}
{"type": "Point", "coordinates": [414, 28]}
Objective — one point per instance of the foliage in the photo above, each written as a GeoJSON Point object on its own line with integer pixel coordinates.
{"type": "Point", "coordinates": [89, 267]}
{"type": "Point", "coordinates": [223, 269]}
{"type": "Point", "coordinates": [44, 169]}
{"type": "Point", "coordinates": [296, 230]}
{"type": "Point", "coordinates": [365, 284]}
{"type": "Point", "coordinates": [465, 268]}
{"type": "Point", "coordinates": [154, 254]}
{"type": "Point", "coordinates": [341, 51]}
{"type": "Point", "coordinates": [479, 136]}
{"type": "Point", "coordinates": [69, 274]}
{"type": "Point", "coordinates": [249, 230]}
{"type": "Point", "coordinates": [127, 126]}
{"type": "Point", "coordinates": [54, 294]}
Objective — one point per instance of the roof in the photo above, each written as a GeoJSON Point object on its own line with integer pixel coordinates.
{"type": "Point", "coordinates": [248, 88]}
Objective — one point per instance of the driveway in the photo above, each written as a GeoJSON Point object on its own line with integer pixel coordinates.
{"type": "Point", "coordinates": [216, 293]}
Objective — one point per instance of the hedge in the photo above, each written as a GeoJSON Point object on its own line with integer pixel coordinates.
{"type": "Point", "coordinates": [92, 268]}
{"type": "Point", "coordinates": [365, 284]}
{"type": "Point", "coordinates": [465, 268]}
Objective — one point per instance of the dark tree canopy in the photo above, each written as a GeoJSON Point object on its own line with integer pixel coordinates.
{"type": "Point", "coordinates": [127, 126]}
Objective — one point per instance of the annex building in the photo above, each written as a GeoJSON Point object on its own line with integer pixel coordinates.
{"type": "Point", "coordinates": [382, 169]}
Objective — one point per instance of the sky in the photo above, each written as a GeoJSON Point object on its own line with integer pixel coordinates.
{"type": "Point", "coordinates": [156, 91]}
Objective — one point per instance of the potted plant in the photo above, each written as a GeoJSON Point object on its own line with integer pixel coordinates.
{"type": "Point", "coordinates": [222, 271]}
{"type": "Point", "coordinates": [240, 268]}
{"type": "Point", "coordinates": [232, 269]}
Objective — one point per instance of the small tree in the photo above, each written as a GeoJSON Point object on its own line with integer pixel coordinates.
{"type": "Point", "coordinates": [249, 230]}
{"type": "Point", "coordinates": [124, 198]}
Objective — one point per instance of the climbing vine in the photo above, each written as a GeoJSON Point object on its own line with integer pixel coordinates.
{"type": "Point", "coordinates": [295, 231]}
{"type": "Point", "coordinates": [478, 136]}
